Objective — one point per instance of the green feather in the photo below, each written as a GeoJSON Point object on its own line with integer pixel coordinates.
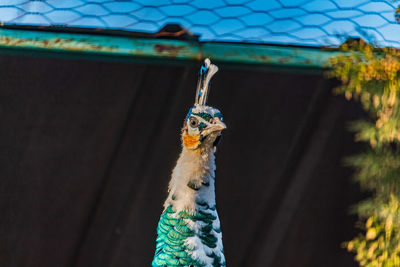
{"type": "Point", "coordinates": [172, 232]}
{"type": "Point", "coordinates": [207, 229]}
{"type": "Point", "coordinates": [184, 230]}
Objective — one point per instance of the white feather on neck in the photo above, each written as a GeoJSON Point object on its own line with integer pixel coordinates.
{"type": "Point", "coordinates": [197, 167]}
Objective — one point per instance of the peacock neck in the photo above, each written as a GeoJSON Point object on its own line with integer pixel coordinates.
{"type": "Point", "coordinates": [192, 180]}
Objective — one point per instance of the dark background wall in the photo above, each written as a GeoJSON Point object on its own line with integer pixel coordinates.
{"type": "Point", "coordinates": [87, 148]}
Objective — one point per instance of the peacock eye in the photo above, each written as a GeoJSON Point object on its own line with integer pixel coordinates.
{"type": "Point", "coordinates": [193, 122]}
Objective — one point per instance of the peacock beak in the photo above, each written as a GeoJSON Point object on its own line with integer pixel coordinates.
{"type": "Point", "coordinates": [216, 125]}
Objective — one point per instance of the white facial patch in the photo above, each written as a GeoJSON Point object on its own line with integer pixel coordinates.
{"type": "Point", "coordinates": [199, 124]}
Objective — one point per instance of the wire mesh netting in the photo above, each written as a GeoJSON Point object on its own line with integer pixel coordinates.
{"type": "Point", "coordinates": [294, 22]}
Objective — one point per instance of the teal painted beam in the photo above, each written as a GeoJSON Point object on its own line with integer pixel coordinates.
{"type": "Point", "coordinates": [269, 55]}
{"type": "Point", "coordinates": [96, 44]}
{"type": "Point", "coordinates": [164, 49]}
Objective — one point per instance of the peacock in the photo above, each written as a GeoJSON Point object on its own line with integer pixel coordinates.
{"type": "Point", "coordinates": [189, 232]}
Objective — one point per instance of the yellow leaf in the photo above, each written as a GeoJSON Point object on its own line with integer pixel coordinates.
{"type": "Point", "coordinates": [350, 246]}
{"type": "Point", "coordinates": [347, 95]}
{"type": "Point", "coordinates": [371, 234]}
{"type": "Point", "coordinates": [369, 222]}
{"type": "Point", "coordinates": [375, 100]}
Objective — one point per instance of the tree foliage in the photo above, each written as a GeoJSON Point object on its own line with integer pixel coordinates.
{"type": "Point", "coordinates": [371, 76]}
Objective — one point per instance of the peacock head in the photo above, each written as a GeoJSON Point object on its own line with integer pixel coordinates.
{"type": "Point", "coordinates": [202, 127]}
{"type": "Point", "coordinates": [203, 124]}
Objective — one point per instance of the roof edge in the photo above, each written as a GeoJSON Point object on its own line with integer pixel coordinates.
{"type": "Point", "coordinates": [129, 47]}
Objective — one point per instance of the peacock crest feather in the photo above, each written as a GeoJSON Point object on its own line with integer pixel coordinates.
{"type": "Point", "coordinates": [189, 231]}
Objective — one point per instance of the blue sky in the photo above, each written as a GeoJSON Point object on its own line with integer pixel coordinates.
{"type": "Point", "coordinates": [294, 22]}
